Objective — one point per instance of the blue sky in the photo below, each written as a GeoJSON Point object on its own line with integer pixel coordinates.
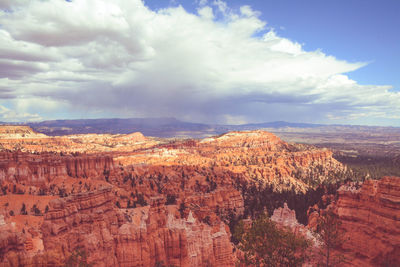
{"type": "Point", "coordinates": [353, 30]}
{"type": "Point", "coordinates": [212, 61]}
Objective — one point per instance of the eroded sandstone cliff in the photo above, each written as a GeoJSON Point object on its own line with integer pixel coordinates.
{"type": "Point", "coordinates": [135, 237]}
{"type": "Point", "coordinates": [40, 169]}
{"type": "Point", "coordinates": [371, 218]}
{"type": "Point", "coordinates": [259, 155]}
{"type": "Point", "coordinates": [145, 201]}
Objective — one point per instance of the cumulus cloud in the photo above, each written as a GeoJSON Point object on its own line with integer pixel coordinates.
{"type": "Point", "coordinates": [8, 115]}
{"type": "Point", "coordinates": [217, 65]}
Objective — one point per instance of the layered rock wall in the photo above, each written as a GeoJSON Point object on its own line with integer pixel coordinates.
{"type": "Point", "coordinates": [33, 169]}
{"type": "Point", "coordinates": [136, 237]}
{"type": "Point", "coordinates": [371, 218]}
{"type": "Point", "coordinates": [224, 202]}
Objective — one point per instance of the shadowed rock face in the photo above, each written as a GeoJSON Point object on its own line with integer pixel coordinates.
{"type": "Point", "coordinates": [371, 217]}
{"type": "Point", "coordinates": [136, 237]}
{"type": "Point", "coordinates": [10, 240]}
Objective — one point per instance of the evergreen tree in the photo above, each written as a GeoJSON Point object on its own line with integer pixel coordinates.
{"type": "Point", "coordinates": [23, 210]}
{"type": "Point", "coordinates": [78, 258]}
{"type": "Point", "coordinates": [266, 244]}
{"type": "Point", "coordinates": [331, 236]}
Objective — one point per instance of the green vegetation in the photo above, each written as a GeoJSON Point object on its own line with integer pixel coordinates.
{"type": "Point", "coordinates": [140, 200]}
{"type": "Point", "coordinates": [182, 208]}
{"type": "Point", "coordinates": [257, 199]}
{"type": "Point", "coordinates": [36, 210]}
{"type": "Point", "coordinates": [78, 258]}
{"type": "Point", "coordinates": [370, 167]}
{"type": "Point", "coordinates": [23, 210]}
{"type": "Point", "coordinates": [331, 236]}
{"type": "Point", "coordinates": [171, 200]}
{"type": "Point", "coordinates": [266, 244]}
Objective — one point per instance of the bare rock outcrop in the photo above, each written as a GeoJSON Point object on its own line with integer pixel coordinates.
{"type": "Point", "coordinates": [132, 237]}
{"type": "Point", "coordinates": [287, 218]}
{"type": "Point", "coordinates": [371, 218]}
{"type": "Point", "coordinates": [258, 156]}
{"type": "Point", "coordinates": [18, 132]}
{"type": "Point", "coordinates": [11, 242]}
{"type": "Point", "coordinates": [33, 169]}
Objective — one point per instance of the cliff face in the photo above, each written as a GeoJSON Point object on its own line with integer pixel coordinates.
{"type": "Point", "coordinates": [11, 242]}
{"type": "Point", "coordinates": [23, 248]}
{"type": "Point", "coordinates": [203, 190]}
{"type": "Point", "coordinates": [135, 237]}
{"type": "Point", "coordinates": [258, 156]}
{"type": "Point", "coordinates": [371, 217]}
{"type": "Point", "coordinates": [199, 179]}
{"type": "Point", "coordinates": [32, 169]}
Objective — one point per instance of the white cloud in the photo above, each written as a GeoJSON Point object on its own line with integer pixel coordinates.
{"type": "Point", "coordinates": [202, 2]}
{"type": "Point", "coordinates": [7, 115]}
{"type": "Point", "coordinates": [221, 5]}
{"type": "Point", "coordinates": [218, 65]}
{"type": "Point", "coordinates": [206, 12]}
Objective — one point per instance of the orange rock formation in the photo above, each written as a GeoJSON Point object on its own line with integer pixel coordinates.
{"type": "Point", "coordinates": [371, 218]}
{"type": "Point", "coordinates": [34, 169]}
{"type": "Point", "coordinates": [130, 200]}
{"type": "Point", "coordinates": [134, 237]}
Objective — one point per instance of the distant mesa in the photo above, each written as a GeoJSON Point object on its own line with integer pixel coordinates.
{"type": "Point", "coordinates": [17, 131]}
{"type": "Point", "coordinates": [257, 138]}
{"type": "Point", "coordinates": [174, 128]}
{"type": "Point", "coordinates": [138, 137]}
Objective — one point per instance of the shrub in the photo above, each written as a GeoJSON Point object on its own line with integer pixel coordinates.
{"type": "Point", "coordinates": [266, 244]}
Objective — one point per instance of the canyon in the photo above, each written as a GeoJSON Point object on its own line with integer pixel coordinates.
{"type": "Point", "coordinates": [131, 200]}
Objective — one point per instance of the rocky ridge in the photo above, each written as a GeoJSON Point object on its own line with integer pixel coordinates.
{"type": "Point", "coordinates": [23, 138]}
{"type": "Point", "coordinates": [18, 132]}
{"type": "Point", "coordinates": [258, 156]}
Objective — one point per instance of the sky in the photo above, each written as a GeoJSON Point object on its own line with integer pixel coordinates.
{"type": "Point", "coordinates": [210, 61]}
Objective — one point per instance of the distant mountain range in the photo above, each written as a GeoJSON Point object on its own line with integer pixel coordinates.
{"type": "Point", "coordinates": [171, 127]}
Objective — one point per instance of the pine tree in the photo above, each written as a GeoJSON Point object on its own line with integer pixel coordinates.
{"type": "Point", "coordinates": [266, 244]}
{"type": "Point", "coordinates": [23, 210]}
{"type": "Point", "coordinates": [331, 236]}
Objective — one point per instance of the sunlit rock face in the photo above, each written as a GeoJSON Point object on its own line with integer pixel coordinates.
{"type": "Point", "coordinates": [130, 200]}
{"type": "Point", "coordinates": [258, 156]}
{"type": "Point", "coordinates": [286, 217]}
{"type": "Point", "coordinates": [371, 217]}
{"type": "Point", "coordinates": [18, 132]}
{"type": "Point", "coordinates": [23, 138]}
{"type": "Point", "coordinates": [37, 170]}
{"type": "Point", "coordinates": [136, 237]}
